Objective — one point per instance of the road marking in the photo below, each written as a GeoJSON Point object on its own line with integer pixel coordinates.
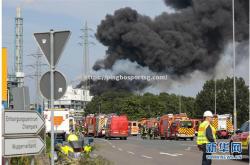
{"type": "Point", "coordinates": [189, 145]}
{"type": "Point", "coordinates": [113, 146]}
{"type": "Point", "coordinates": [106, 141]}
{"type": "Point", "coordinates": [148, 157]}
{"type": "Point", "coordinates": [188, 149]}
{"type": "Point", "coordinates": [178, 154]}
{"type": "Point", "coordinates": [165, 153]}
{"type": "Point", "coordinates": [120, 149]}
{"type": "Point", "coordinates": [131, 152]}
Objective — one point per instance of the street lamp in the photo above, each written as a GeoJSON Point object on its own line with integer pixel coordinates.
{"type": "Point", "coordinates": [215, 90]}
{"type": "Point", "coordinates": [179, 99]}
{"type": "Point", "coordinates": [99, 107]}
{"type": "Point", "coordinates": [235, 112]}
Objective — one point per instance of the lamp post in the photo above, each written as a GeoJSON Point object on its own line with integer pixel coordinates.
{"type": "Point", "coordinates": [235, 112]}
{"type": "Point", "coordinates": [215, 90]}
{"type": "Point", "coordinates": [179, 99]}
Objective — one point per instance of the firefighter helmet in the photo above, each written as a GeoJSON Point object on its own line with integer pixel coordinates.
{"type": "Point", "coordinates": [208, 114]}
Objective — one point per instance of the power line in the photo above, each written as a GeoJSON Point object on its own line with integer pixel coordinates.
{"type": "Point", "coordinates": [37, 75]}
{"type": "Point", "coordinates": [85, 67]}
{"type": "Point", "coordinates": [85, 43]}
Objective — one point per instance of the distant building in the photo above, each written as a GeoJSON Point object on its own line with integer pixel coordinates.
{"type": "Point", "coordinates": [74, 98]}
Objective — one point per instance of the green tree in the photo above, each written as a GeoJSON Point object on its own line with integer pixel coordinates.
{"type": "Point", "coordinates": [138, 106]}
{"type": "Point", "coordinates": [205, 99]}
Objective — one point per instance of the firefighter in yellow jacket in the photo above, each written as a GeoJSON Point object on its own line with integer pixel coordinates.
{"type": "Point", "coordinates": [206, 134]}
{"type": "Point", "coordinates": [72, 137]}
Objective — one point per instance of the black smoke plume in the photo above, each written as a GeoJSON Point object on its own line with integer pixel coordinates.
{"type": "Point", "coordinates": [190, 39]}
{"type": "Point", "coordinates": [100, 86]}
{"type": "Point", "coordinates": [178, 4]}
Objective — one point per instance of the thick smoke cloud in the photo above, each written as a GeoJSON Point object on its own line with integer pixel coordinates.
{"type": "Point", "coordinates": [178, 4]}
{"type": "Point", "coordinates": [179, 43]}
{"type": "Point", "coordinates": [100, 86]}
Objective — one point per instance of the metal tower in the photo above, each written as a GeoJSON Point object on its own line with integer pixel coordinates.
{"type": "Point", "coordinates": [19, 48]}
{"type": "Point", "coordinates": [37, 66]}
{"type": "Point", "coordinates": [85, 44]}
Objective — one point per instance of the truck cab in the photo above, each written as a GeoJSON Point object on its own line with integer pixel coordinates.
{"type": "Point", "coordinates": [61, 122]}
{"type": "Point", "coordinates": [182, 129]}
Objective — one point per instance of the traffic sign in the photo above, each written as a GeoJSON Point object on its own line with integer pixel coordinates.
{"type": "Point", "coordinates": [60, 85]}
{"type": "Point", "coordinates": [52, 83]}
{"type": "Point", "coordinates": [20, 146]}
{"type": "Point", "coordinates": [59, 41]}
{"type": "Point", "coordinates": [22, 122]}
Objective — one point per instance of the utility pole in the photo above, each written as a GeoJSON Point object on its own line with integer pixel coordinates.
{"type": "Point", "coordinates": [37, 75]}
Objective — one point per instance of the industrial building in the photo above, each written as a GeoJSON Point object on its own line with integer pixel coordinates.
{"type": "Point", "coordinates": [74, 98]}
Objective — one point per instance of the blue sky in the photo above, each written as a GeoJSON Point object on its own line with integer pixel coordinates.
{"type": "Point", "coordinates": [43, 15]}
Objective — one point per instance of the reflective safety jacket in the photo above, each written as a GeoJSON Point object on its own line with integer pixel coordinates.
{"type": "Point", "coordinates": [87, 149]}
{"type": "Point", "coordinates": [72, 137]}
{"type": "Point", "coordinates": [202, 138]}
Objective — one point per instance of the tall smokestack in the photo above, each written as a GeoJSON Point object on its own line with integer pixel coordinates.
{"type": "Point", "coordinates": [18, 12]}
{"type": "Point", "coordinates": [19, 48]}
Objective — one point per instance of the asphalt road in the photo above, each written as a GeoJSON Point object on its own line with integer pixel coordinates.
{"type": "Point", "coordinates": [136, 151]}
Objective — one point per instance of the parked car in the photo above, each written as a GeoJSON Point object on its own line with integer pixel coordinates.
{"type": "Point", "coordinates": [242, 135]}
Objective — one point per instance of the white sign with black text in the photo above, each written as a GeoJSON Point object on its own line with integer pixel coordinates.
{"type": "Point", "coordinates": [20, 146]}
{"type": "Point", "coordinates": [22, 122]}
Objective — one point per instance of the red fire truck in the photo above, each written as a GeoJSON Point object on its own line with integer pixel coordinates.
{"type": "Point", "coordinates": [196, 123]}
{"type": "Point", "coordinates": [176, 126]}
{"type": "Point", "coordinates": [164, 126]}
{"type": "Point", "coordinates": [101, 121]}
{"type": "Point", "coordinates": [117, 127]}
{"type": "Point", "coordinates": [182, 129]}
{"type": "Point", "coordinates": [90, 125]}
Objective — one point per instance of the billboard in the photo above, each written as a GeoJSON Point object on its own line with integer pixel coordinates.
{"type": "Point", "coordinates": [4, 74]}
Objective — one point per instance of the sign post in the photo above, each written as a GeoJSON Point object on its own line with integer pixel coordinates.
{"type": "Point", "coordinates": [52, 44]}
{"type": "Point", "coordinates": [52, 68]}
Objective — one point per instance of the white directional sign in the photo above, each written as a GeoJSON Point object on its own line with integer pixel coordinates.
{"type": "Point", "coordinates": [22, 122]}
{"type": "Point", "coordinates": [14, 147]}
